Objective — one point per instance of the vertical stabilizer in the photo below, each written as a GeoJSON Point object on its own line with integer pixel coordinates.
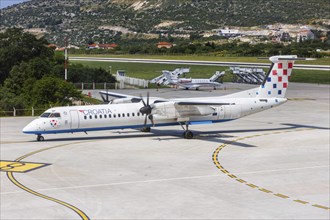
{"type": "Point", "coordinates": [277, 79]}
{"type": "Point", "coordinates": [168, 76]}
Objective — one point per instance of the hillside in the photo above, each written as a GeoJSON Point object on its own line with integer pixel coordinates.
{"type": "Point", "coordinates": [86, 19]}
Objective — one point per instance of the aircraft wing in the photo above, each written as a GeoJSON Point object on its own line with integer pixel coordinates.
{"type": "Point", "coordinates": [123, 98]}
{"type": "Point", "coordinates": [118, 98]}
{"type": "Point", "coordinates": [185, 109]}
{"type": "Point", "coordinates": [116, 95]}
{"type": "Point", "coordinates": [182, 109]}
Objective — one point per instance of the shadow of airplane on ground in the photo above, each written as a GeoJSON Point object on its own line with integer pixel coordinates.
{"type": "Point", "coordinates": [212, 136]}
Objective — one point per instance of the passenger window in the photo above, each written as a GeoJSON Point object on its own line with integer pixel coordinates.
{"type": "Point", "coordinates": [109, 116]}
{"type": "Point", "coordinates": [127, 114]}
{"type": "Point", "coordinates": [138, 114]}
{"type": "Point", "coordinates": [90, 117]}
{"type": "Point", "coordinates": [123, 115]}
{"type": "Point", "coordinates": [105, 116]}
{"type": "Point", "coordinates": [95, 116]}
{"type": "Point", "coordinates": [85, 117]}
{"type": "Point", "coordinates": [100, 116]}
{"type": "Point", "coordinates": [133, 114]}
{"type": "Point", "coordinates": [118, 115]}
{"type": "Point", "coordinates": [114, 115]}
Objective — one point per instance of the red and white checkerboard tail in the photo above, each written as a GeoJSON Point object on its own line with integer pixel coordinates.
{"type": "Point", "coordinates": [277, 80]}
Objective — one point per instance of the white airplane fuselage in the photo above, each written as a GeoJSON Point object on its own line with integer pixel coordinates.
{"type": "Point", "coordinates": [127, 115]}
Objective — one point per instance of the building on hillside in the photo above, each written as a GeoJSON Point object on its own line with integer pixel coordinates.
{"type": "Point", "coordinates": [305, 34]}
{"type": "Point", "coordinates": [93, 46]}
{"type": "Point", "coordinates": [281, 36]}
{"type": "Point", "coordinates": [229, 32]}
{"type": "Point", "coordinates": [107, 46]}
{"type": "Point", "coordinates": [102, 46]}
{"type": "Point", "coordinates": [54, 46]}
{"type": "Point", "coordinates": [165, 45]}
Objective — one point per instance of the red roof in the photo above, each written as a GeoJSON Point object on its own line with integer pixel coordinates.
{"type": "Point", "coordinates": [92, 45]}
{"type": "Point", "coordinates": [52, 45]}
{"type": "Point", "coordinates": [108, 45]}
{"type": "Point", "coordinates": [164, 43]}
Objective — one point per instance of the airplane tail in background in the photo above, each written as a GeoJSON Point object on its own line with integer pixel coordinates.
{"type": "Point", "coordinates": [168, 76]}
{"type": "Point", "coordinates": [277, 79]}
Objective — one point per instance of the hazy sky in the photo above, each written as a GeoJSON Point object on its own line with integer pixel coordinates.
{"type": "Point", "coordinates": [6, 3]}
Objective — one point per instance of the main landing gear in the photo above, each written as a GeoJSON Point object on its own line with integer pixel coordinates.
{"type": "Point", "coordinates": [40, 138]}
{"type": "Point", "coordinates": [187, 134]}
{"type": "Point", "coordinates": [146, 129]}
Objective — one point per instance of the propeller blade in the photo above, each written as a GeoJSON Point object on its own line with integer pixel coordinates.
{"type": "Point", "coordinates": [143, 101]}
{"type": "Point", "coordinates": [147, 98]}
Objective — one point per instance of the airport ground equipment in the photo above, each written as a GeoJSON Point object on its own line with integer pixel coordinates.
{"type": "Point", "coordinates": [248, 75]}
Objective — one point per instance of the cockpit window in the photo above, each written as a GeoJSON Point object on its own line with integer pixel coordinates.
{"type": "Point", "coordinates": [45, 115]}
{"type": "Point", "coordinates": [57, 115]}
{"type": "Point", "coordinates": [50, 115]}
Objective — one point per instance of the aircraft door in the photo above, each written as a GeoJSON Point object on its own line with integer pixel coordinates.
{"type": "Point", "coordinates": [74, 119]}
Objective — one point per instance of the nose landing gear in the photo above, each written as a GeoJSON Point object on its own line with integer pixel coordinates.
{"type": "Point", "coordinates": [40, 138]}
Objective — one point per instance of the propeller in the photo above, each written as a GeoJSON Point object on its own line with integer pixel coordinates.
{"type": "Point", "coordinates": [146, 110]}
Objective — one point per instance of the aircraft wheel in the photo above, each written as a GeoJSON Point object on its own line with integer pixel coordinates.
{"type": "Point", "coordinates": [146, 129]}
{"type": "Point", "coordinates": [188, 135]}
{"type": "Point", "coordinates": [40, 138]}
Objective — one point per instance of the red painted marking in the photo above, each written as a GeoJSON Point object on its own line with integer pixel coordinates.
{"type": "Point", "coordinates": [285, 85]}
{"type": "Point", "coordinates": [285, 72]}
{"type": "Point", "coordinates": [280, 65]}
{"type": "Point", "coordinates": [290, 65]}
{"type": "Point", "coordinates": [274, 72]}
{"type": "Point", "coordinates": [280, 78]}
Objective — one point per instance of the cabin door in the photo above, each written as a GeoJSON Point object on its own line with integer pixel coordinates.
{"type": "Point", "coordinates": [74, 119]}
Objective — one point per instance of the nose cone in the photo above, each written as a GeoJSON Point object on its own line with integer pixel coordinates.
{"type": "Point", "coordinates": [30, 128]}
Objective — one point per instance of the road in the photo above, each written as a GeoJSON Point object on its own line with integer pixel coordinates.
{"type": "Point", "coordinates": [190, 62]}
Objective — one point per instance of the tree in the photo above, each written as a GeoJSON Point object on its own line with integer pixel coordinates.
{"type": "Point", "coordinates": [51, 90]}
{"type": "Point", "coordinates": [17, 46]}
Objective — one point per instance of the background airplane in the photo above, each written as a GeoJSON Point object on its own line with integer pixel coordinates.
{"type": "Point", "coordinates": [189, 83]}
{"type": "Point", "coordinates": [138, 112]}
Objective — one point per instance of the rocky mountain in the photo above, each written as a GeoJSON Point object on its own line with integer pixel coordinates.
{"type": "Point", "coordinates": [83, 20]}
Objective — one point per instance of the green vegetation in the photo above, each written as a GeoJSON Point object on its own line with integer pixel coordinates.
{"type": "Point", "coordinates": [31, 74]}
{"type": "Point", "coordinates": [81, 18]}
{"type": "Point", "coordinates": [230, 49]}
{"type": "Point", "coordinates": [149, 71]}
{"type": "Point", "coordinates": [310, 76]}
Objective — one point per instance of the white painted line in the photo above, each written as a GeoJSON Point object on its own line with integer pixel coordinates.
{"type": "Point", "coordinates": [159, 180]}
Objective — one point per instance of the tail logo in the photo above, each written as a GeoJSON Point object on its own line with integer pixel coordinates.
{"type": "Point", "coordinates": [278, 80]}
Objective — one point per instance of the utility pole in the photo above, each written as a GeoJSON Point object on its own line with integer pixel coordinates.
{"type": "Point", "coordinates": [66, 59]}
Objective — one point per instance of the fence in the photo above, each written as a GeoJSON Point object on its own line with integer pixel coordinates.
{"type": "Point", "coordinates": [127, 82]}
{"type": "Point", "coordinates": [93, 86]}
{"type": "Point", "coordinates": [22, 112]}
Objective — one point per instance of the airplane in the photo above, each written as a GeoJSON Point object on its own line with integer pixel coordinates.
{"type": "Point", "coordinates": [130, 112]}
{"type": "Point", "coordinates": [189, 83]}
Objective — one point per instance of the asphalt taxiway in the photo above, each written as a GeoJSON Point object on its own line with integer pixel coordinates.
{"type": "Point", "coordinates": [271, 165]}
